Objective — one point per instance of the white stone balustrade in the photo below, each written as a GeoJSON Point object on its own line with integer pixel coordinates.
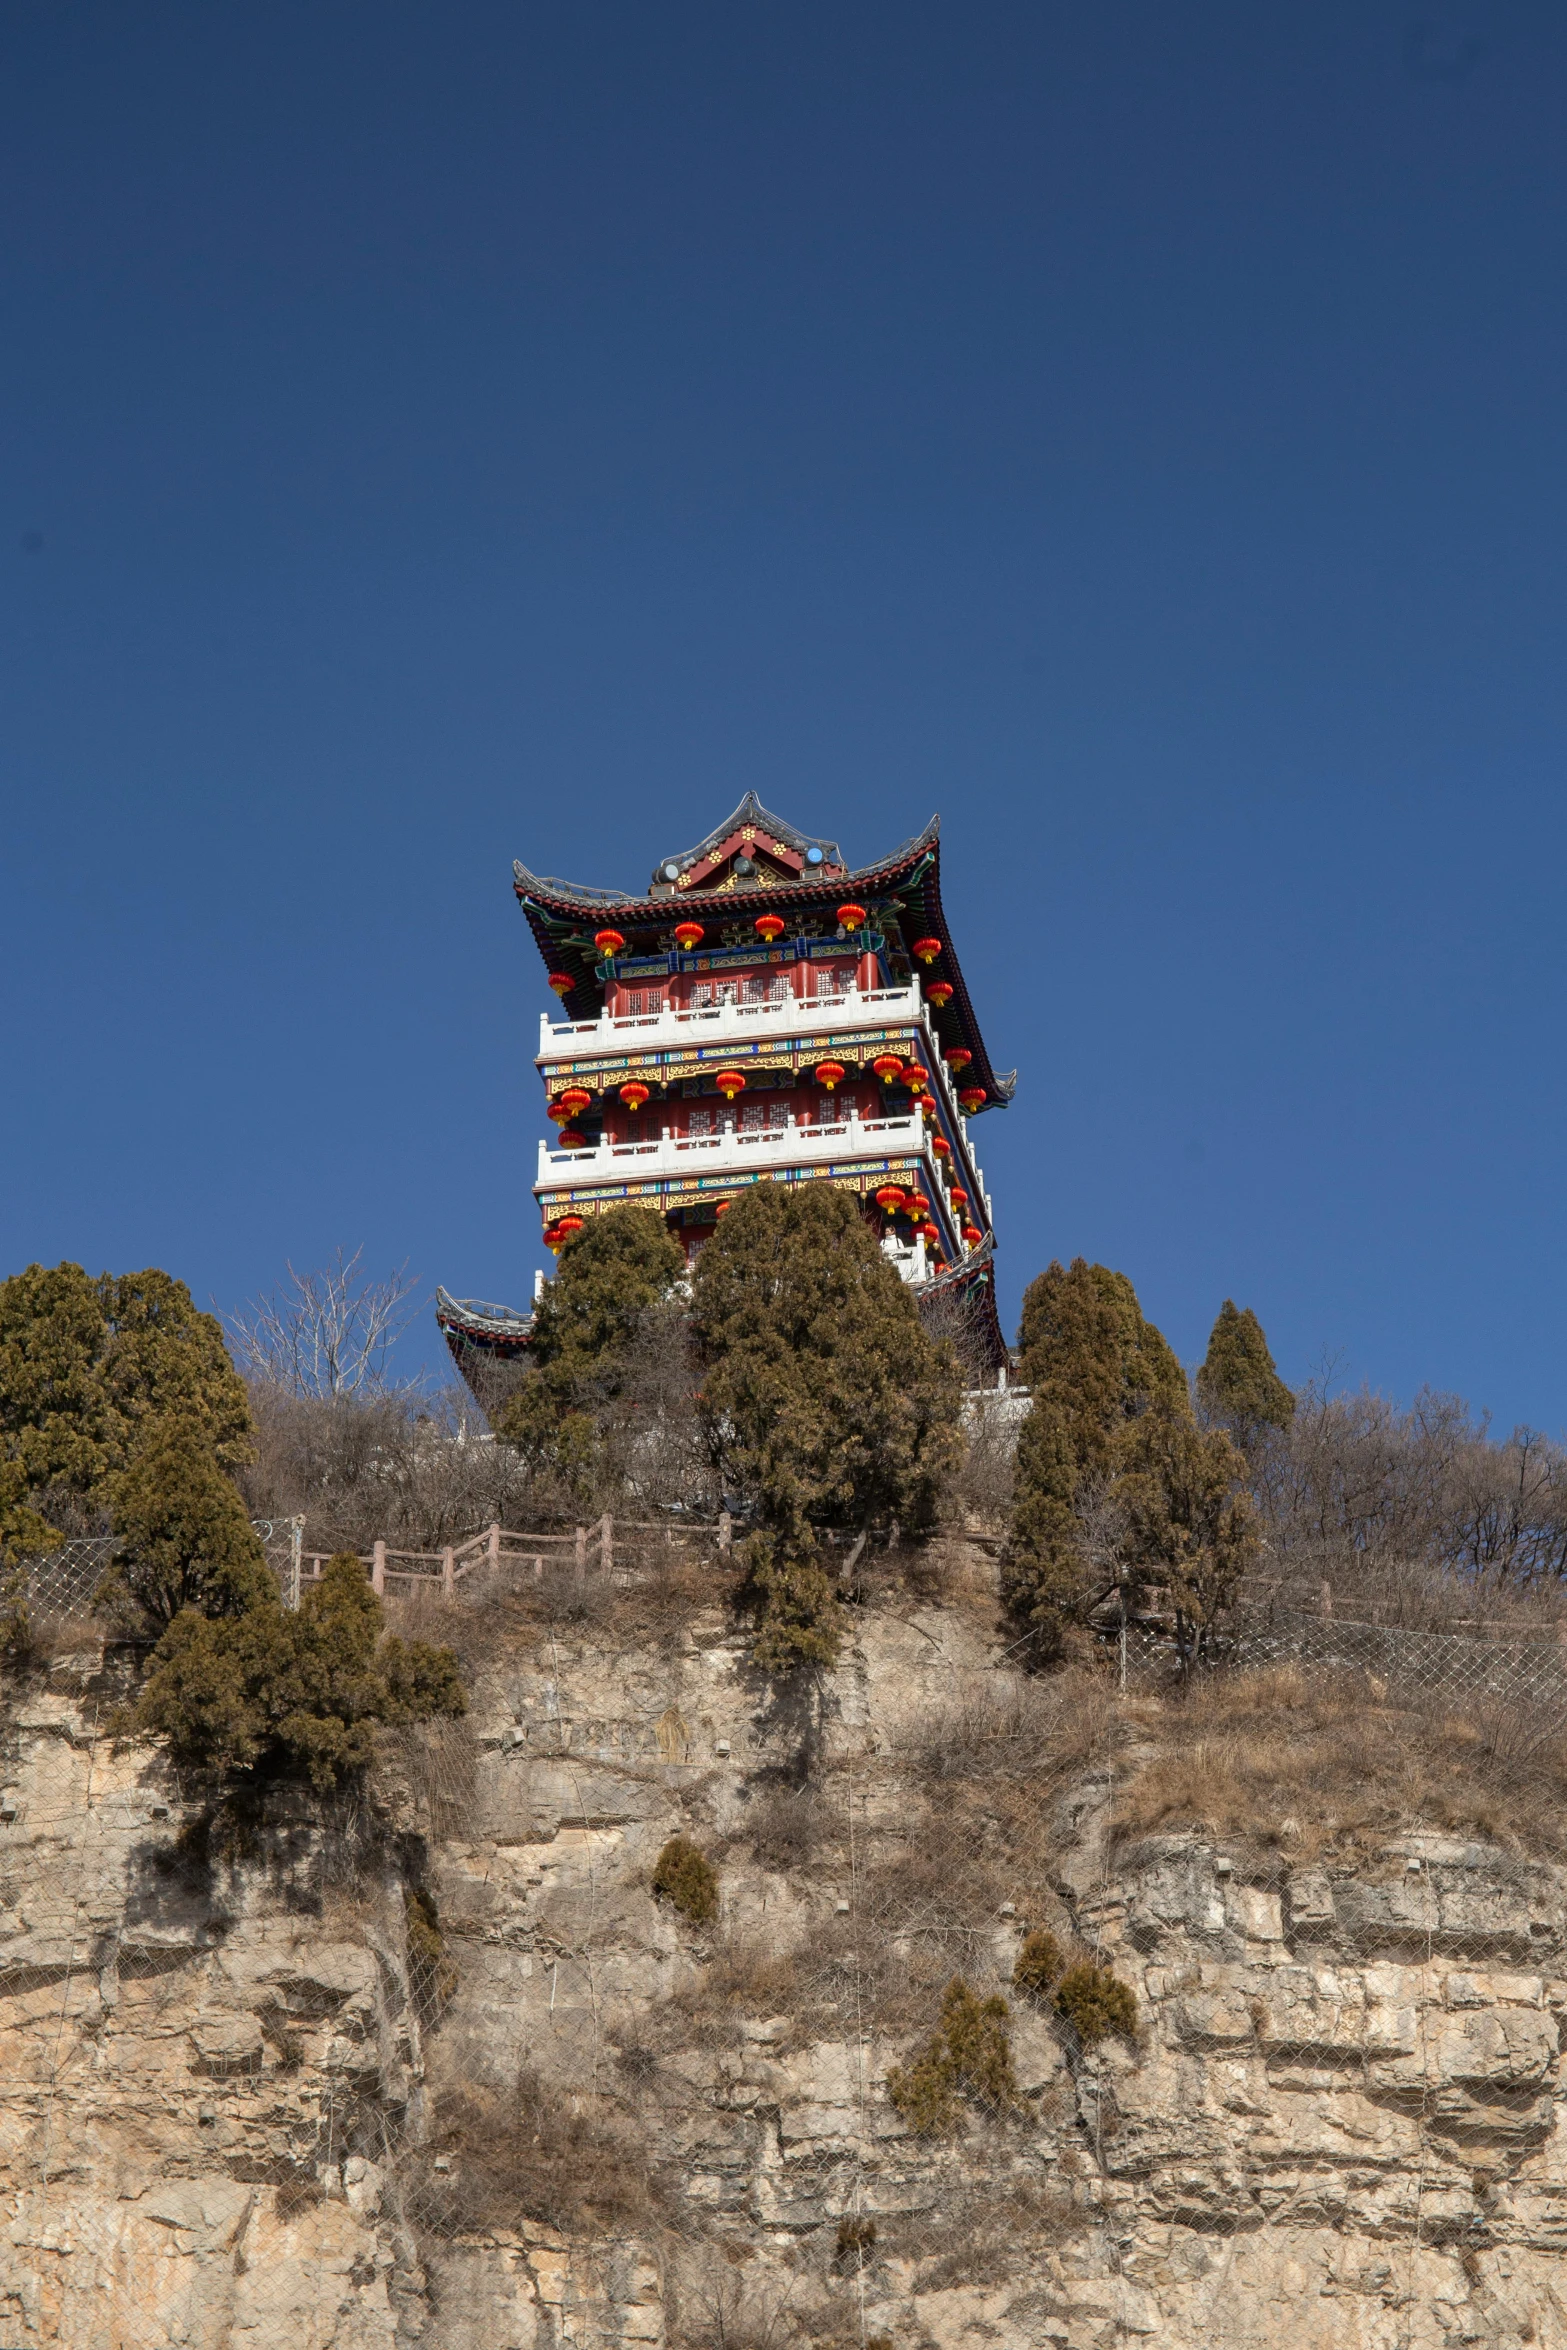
{"type": "Point", "coordinates": [568, 1040]}
{"type": "Point", "coordinates": [734, 1152]}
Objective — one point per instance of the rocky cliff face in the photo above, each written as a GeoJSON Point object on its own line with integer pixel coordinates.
{"type": "Point", "coordinates": [439, 2069]}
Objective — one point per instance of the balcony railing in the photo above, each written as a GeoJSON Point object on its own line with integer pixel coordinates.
{"type": "Point", "coordinates": [565, 1040]}
{"type": "Point", "coordinates": [737, 1151]}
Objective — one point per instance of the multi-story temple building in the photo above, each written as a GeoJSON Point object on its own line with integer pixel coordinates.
{"type": "Point", "coordinates": [761, 1013]}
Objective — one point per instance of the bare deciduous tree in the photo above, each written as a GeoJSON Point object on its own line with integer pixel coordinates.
{"type": "Point", "coordinates": [328, 1333]}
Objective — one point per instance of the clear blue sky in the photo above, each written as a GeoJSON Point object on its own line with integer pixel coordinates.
{"type": "Point", "coordinates": [1134, 431]}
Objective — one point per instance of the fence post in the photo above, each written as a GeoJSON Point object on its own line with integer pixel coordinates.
{"type": "Point", "coordinates": [494, 1544]}
{"type": "Point", "coordinates": [378, 1569]}
{"type": "Point", "coordinates": [448, 1573]}
{"type": "Point", "coordinates": [725, 1530]}
{"type": "Point", "coordinates": [296, 1544]}
{"type": "Point", "coordinates": [606, 1544]}
{"type": "Point", "coordinates": [581, 1550]}
{"type": "Point", "coordinates": [1327, 1601]}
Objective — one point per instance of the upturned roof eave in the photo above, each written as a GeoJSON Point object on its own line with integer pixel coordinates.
{"type": "Point", "coordinates": [545, 900]}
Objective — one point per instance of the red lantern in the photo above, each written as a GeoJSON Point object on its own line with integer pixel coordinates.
{"type": "Point", "coordinates": [723, 1207]}
{"type": "Point", "coordinates": [562, 983]}
{"type": "Point", "coordinates": [959, 1057]}
{"type": "Point", "coordinates": [941, 1146]}
{"type": "Point", "coordinates": [887, 1066]}
{"type": "Point", "coordinates": [769, 926]}
{"type": "Point", "coordinates": [939, 993]}
{"type": "Point", "coordinates": [575, 1098]}
{"type": "Point", "coordinates": [730, 1082]}
{"type": "Point", "coordinates": [568, 1225]}
{"type": "Point", "coordinates": [688, 935]}
{"type": "Point", "coordinates": [851, 917]}
{"type": "Point", "coordinates": [958, 1196]}
{"type": "Point", "coordinates": [914, 1077]}
{"type": "Point", "coordinates": [919, 1205]}
{"type": "Point", "coordinates": [972, 1235]}
{"type": "Point", "coordinates": [890, 1197]}
{"type": "Point", "coordinates": [571, 1140]}
{"type": "Point", "coordinates": [829, 1073]}
{"type": "Point", "coordinates": [972, 1097]}
{"type": "Point", "coordinates": [608, 942]}
{"type": "Point", "coordinates": [634, 1094]}
{"type": "Point", "coordinates": [927, 949]}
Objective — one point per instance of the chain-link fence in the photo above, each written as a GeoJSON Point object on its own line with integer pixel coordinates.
{"type": "Point", "coordinates": [970, 2008]}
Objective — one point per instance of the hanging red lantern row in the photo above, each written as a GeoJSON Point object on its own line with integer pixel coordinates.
{"type": "Point", "coordinates": [888, 1066]}
{"type": "Point", "coordinates": [829, 1073]}
{"type": "Point", "coordinates": [851, 917]}
{"type": "Point", "coordinates": [634, 1094]}
{"type": "Point", "coordinates": [689, 935]}
{"type": "Point", "coordinates": [959, 1057]}
{"type": "Point", "coordinates": [769, 926]}
{"type": "Point", "coordinates": [562, 983]}
{"type": "Point", "coordinates": [939, 993]}
{"type": "Point", "coordinates": [971, 1097]}
{"type": "Point", "coordinates": [927, 950]}
{"type": "Point", "coordinates": [567, 1104]}
{"type": "Point", "coordinates": [608, 942]}
{"type": "Point", "coordinates": [730, 1082]}
{"type": "Point", "coordinates": [557, 1234]}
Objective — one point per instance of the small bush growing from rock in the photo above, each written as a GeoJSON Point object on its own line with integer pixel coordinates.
{"type": "Point", "coordinates": [1040, 1964]}
{"type": "Point", "coordinates": [431, 1972]}
{"type": "Point", "coordinates": [1095, 2002]}
{"type": "Point", "coordinates": [855, 2238]}
{"type": "Point", "coordinates": [968, 2054]}
{"type": "Point", "coordinates": [687, 1880]}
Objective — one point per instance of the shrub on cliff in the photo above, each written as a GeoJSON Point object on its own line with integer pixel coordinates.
{"type": "Point", "coordinates": [1096, 2002]}
{"type": "Point", "coordinates": [1040, 1964]}
{"type": "Point", "coordinates": [302, 1695]}
{"type": "Point", "coordinates": [618, 1270]}
{"type": "Point", "coordinates": [827, 1403]}
{"type": "Point", "coordinates": [88, 1367]}
{"type": "Point", "coordinates": [685, 1878]}
{"type": "Point", "coordinates": [968, 2055]}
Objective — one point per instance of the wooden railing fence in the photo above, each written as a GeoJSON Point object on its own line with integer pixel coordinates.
{"type": "Point", "coordinates": [584, 1549]}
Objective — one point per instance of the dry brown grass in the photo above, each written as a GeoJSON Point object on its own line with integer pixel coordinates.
{"type": "Point", "coordinates": [1283, 1759]}
{"type": "Point", "coordinates": [788, 1827]}
{"type": "Point", "coordinates": [1008, 1725]}
{"type": "Point", "coordinates": [747, 1980]}
{"type": "Point", "coordinates": [572, 2162]}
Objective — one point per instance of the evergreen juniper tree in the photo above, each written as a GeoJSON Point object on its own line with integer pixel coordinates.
{"type": "Point", "coordinates": [184, 1537]}
{"type": "Point", "coordinates": [1092, 1365]}
{"type": "Point", "coordinates": [1111, 1459]}
{"type": "Point", "coordinates": [828, 1404]}
{"type": "Point", "coordinates": [621, 1267]}
{"type": "Point", "coordinates": [88, 1366]}
{"type": "Point", "coordinates": [1238, 1385]}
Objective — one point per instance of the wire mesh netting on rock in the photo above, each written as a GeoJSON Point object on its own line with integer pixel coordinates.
{"type": "Point", "coordinates": [1027, 2011]}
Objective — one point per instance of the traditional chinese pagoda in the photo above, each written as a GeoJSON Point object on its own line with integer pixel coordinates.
{"type": "Point", "coordinates": [762, 1013]}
